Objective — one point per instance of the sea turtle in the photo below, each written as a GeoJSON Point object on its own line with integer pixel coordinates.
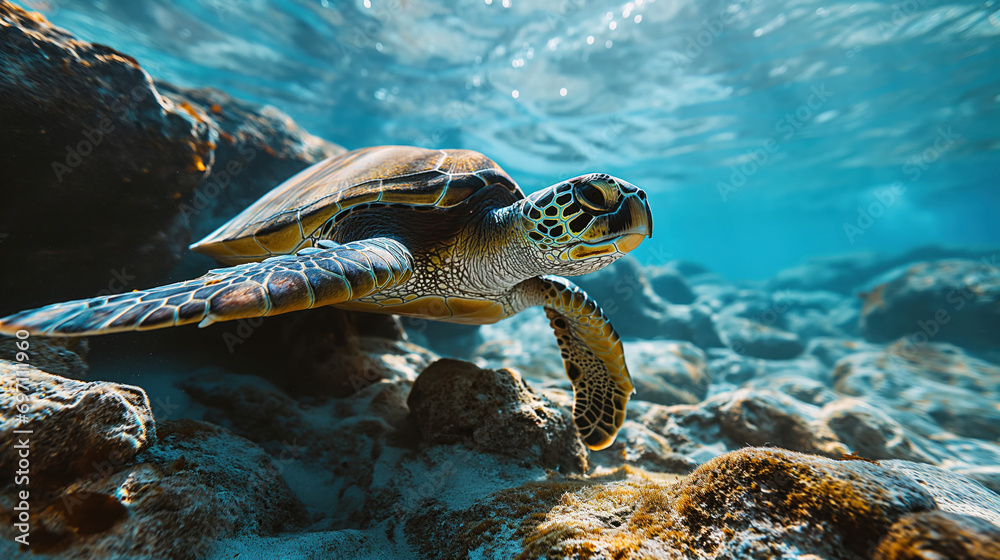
{"type": "Point", "coordinates": [436, 234]}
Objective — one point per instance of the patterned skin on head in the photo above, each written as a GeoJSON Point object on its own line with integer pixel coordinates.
{"type": "Point", "coordinates": [584, 224]}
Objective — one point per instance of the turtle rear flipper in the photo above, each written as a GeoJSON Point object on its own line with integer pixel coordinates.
{"type": "Point", "coordinates": [314, 277]}
{"type": "Point", "coordinates": [593, 356]}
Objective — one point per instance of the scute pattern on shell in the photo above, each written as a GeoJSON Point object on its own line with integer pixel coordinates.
{"type": "Point", "coordinates": [285, 219]}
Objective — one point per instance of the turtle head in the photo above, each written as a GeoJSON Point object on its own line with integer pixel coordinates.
{"type": "Point", "coordinates": [584, 224]}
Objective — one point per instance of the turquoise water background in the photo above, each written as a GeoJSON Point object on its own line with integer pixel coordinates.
{"type": "Point", "coordinates": [765, 132]}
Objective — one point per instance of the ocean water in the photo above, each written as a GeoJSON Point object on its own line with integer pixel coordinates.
{"type": "Point", "coordinates": [765, 132]}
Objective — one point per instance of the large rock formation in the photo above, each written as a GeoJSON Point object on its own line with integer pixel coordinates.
{"type": "Point", "coordinates": [118, 170]}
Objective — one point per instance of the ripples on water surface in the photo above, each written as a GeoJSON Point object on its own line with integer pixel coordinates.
{"type": "Point", "coordinates": [758, 127]}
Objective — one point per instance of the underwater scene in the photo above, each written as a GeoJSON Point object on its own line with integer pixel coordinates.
{"type": "Point", "coordinates": [498, 279]}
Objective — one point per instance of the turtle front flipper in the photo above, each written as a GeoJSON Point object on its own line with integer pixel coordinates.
{"type": "Point", "coordinates": [317, 276]}
{"type": "Point", "coordinates": [593, 356]}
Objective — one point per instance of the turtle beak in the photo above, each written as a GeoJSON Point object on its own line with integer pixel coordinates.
{"type": "Point", "coordinates": [639, 215]}
{"type": "Point", "coordinates": [649, 216]}
{"type": "Point", "coordinates": [635, 216]}
{"type": "Point", "coordinates": [635, 212]}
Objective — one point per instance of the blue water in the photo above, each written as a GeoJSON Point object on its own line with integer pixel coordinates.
{"type": "Point", "coordinates": [759, 128]}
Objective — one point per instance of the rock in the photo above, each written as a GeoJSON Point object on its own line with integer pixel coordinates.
{"type": "Point", "coordinates": [846, 273]}
{"type": "Point", "coordinates": [740, 505]}
{"type": "Point", "coordinates": [760, 341]}
{"type": "Point", "coordinates": [668, 372]}
{"type": "Point", "coordinates": [86, 132]}
{"type": "Point", "coordinates": [669, 284]}
{"type": "Point", "coordinates": [76, 427]}
{"type": "Point", "coordinates": [732, 420]}
{"type": "Point", "coordinates": [494, 411]}
{"type": "Point", "coordinates": [872, 433]}
{"type": "Point", "coordinates": [770, 418]}
{"type": "Point", "coordinates": [942, 301]}
{"type": "Point", "coordinates": [951, 492]}
{"type": "Point", "coordinates": [939, 382]}
{"type": "Point", "coordinates": [354, 462]}
{"type": "Point", "coordinates": [333, 353]}
{"type": "Point", "coordinates": [197, 485]}
{"type": "Point", "coordinates": [836, 273]}
{"type": "Point", "coordinates": [774, 325]}
{"type": "Point", "coordinates": [65, 357]}
{"type": "Point", "coordinates": [687, 269]}
{"type": "Point", "coordinates": [625, 295]}
{"type": "Point", "coordinates": [731, 370]}
{"type": "Point", "coordinates": [257, 149]}
{"type": "Point", "coordinates": [987, 475]}
{"type": "Point", "coordinates": [830, 350]}
{"type": "Point", "coordinates": [802, 388]}
{"type": "Point", "coordinates": [74, 113]}
{"type": "Point", "coordinates": [817, 314]}
{"type": "Point", "coordinates": [693, 323]}
{"type": "Point", "coordinates": [932, 535]}
{"type": "Point", "coordinates": [330, 354]}
{"type": "Point", "coordinates": [637, 446]}
{"type": "Point", "coordinates": [729, 367]}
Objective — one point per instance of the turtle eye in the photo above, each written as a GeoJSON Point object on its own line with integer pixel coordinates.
{"type": "Point", "coordinates": [592, 197]}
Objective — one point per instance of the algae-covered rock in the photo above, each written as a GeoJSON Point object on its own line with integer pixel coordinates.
{"type": "Point", "coordinates": [494, 411]}
{"type": "Point", "coordinates": [935, 535]}
{"type": "Point", "coordinates": [752, 503]}
{"type": "Point", "coordinates": [76, 427]}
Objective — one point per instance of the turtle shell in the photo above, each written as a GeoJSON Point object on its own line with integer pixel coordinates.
{"type": "Point", "coordinates": [292, 214]}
